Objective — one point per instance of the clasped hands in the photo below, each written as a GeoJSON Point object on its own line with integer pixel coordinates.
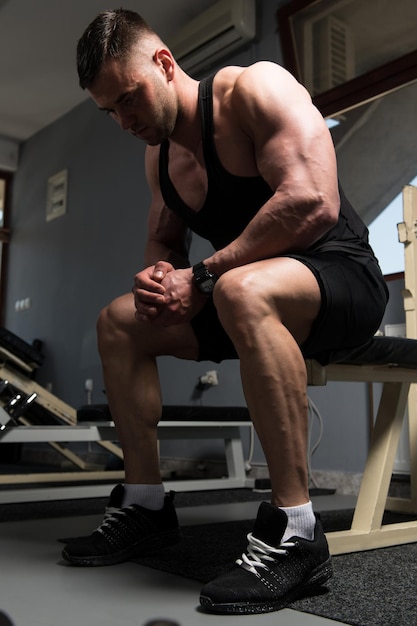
{"type": "Point", "coordinates": [165, 295]}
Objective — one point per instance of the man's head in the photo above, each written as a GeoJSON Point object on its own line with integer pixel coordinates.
{"type": "Point", "coordinates": [129, 73]}
{"type": "Point", "coordinates": [111, 35]}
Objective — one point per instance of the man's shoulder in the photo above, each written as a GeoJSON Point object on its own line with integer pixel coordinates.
{"type": "Point", "coordinates": [232, 74]}
{"type": "Point", "coordinates": [252, 79]}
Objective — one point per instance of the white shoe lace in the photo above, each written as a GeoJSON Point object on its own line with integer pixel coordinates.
{"type": "Point", "coordinates": [109, 515]}
{"type": "Point", "coordinates": [258, 551]}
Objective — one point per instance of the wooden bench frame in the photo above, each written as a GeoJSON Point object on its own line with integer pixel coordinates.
{"type": "Point", "coordinates": [367, 530]}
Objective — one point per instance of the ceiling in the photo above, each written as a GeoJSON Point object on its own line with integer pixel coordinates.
{"type": "Point", "coordinates": [38, 78]}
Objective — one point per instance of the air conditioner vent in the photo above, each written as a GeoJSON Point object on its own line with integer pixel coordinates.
{"type": "Point", "coordinates": [223, 29]}
{"type": "Point", "coordinates": [330, 58]}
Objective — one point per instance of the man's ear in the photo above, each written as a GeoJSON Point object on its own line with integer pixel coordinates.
{"type": "Point", "coordinates": [164, 59]}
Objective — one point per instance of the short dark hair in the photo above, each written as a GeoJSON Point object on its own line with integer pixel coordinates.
{"type": "Point", "coordinates": [110, 34]}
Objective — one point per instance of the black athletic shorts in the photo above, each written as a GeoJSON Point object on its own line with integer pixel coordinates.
{"type": "Point", "coordinates": [354, 296]}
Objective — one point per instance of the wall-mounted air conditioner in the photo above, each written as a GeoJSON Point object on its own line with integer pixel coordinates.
{"type": "Point", "coordinates": [222, 29]}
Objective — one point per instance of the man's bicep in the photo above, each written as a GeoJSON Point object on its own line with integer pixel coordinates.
{"type": "Point", "coordinates": [291, 140]}
{"type": "Point", "coordinates": [296, 150]}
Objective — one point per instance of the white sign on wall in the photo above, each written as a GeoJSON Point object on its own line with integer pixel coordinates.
{"type": "Point", "coordinates": [56, 198]}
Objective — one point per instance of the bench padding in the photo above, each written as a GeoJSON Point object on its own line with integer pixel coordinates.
{"type": "Point", "coordinates": [398, 351]}
{"type": "Point", "coordinates": [175, 413]}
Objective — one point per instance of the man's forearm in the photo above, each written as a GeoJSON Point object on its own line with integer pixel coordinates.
{"type": "Point", "coordinates": [274, 231]}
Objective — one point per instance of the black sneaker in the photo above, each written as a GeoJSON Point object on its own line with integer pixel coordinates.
{"type": "Point", "coordinates": [125, 533]}
{"type": "Point", "coordinates": [271, 574]}
{"type": "Point", "coordinates": [113, 506]}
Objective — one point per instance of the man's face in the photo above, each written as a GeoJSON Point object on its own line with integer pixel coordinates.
{"type": "Point", "coordinates": [138, 96]}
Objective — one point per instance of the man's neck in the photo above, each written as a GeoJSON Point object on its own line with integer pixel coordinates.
{"type": "Point", "coordinates": [187, 131]}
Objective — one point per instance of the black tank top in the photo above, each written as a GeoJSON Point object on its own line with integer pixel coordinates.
{"type": "Point", "coordinates": [232, 201]}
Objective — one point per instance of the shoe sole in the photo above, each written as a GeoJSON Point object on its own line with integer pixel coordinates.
{"type": "Point", "coordinates": [317, 578]}
{"type": "Point", "coordinates": [142, 548]}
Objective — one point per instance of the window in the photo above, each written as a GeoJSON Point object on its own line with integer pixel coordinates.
{"type": "Point", "coordinates": [347, 52]}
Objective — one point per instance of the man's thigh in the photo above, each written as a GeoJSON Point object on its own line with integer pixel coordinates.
{"type": "Point", "coordinates": [284, 285]}
{"type": "Point", "coordinates": [353, 300]}
{"type": "Point", "coordinates": [288, 287]}
{"type": "Point", "coordinates": [340, 300]}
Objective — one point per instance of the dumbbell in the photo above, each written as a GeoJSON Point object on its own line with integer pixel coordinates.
{"type": "Point", "coordinates": [15, 407]}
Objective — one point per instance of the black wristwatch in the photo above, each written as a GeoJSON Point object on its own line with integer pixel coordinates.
{"type": "Point", "coordinates": [203, 279]}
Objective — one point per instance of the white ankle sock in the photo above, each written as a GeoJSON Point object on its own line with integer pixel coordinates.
{"type": "Point", "coordinates": [149, 496]}
{"type": "Point", "coordinates": [301, 521]}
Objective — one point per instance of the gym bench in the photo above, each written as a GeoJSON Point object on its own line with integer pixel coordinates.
{"type": "Point", "coordinates": [391, 361]}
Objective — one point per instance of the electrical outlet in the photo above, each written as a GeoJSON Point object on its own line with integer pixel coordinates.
{"type": "Point", "coordinates": [210, 379]}
{"type": "Point", "coordinates": [22, 305]}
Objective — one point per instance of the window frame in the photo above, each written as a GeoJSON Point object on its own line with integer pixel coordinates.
{"type": "Point", "coordinates": [373, 84]}
{"type": "Point", "coordinates": [4, 240]}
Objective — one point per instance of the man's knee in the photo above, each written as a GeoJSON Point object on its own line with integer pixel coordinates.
{"type": "Point", "coordinates": [239, 286]}
{"type": "Point", "coordinates": [114, 319]}
{"type": "Point", "coordinates": [104, 328]}
{"type": "Point", "coordinates": [240, 300]}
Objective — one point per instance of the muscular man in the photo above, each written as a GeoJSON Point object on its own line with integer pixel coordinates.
{"type": "Point", "coordinates": [245, 160]}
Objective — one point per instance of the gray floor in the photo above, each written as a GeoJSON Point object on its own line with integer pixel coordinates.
{"type": "Point", "coordinates": [39, 589]}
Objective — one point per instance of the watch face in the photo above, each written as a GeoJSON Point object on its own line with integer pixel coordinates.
{"type": "Point", "coordinates": [204, 280]}
{"type": "Point", "coordinates": [207, 286]}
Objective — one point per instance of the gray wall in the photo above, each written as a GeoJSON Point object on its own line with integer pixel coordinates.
{"type": "Point", "coordinates": [72, 266]}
